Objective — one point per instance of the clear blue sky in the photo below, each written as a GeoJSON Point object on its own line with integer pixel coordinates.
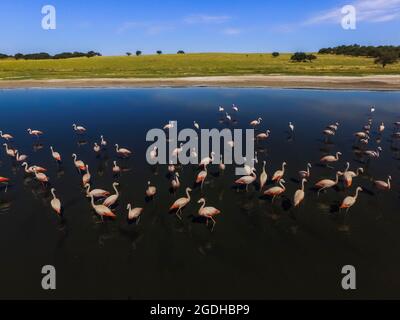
{"type": "Point", "coordinates": [114, 27]}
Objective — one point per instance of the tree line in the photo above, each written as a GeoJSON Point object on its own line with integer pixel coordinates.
{"type": "Point", "coordinates": [383, 55]}
{"type": "Point", "coordinates": [45, 55]}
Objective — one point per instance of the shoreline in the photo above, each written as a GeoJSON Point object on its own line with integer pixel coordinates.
{"type": "Point", "coordinates": [373, 83]}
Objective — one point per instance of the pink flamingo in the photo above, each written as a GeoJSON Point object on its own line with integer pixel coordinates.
{"type": "Point", "coordinates": [330, 159]}
{"type": "Point", "coordinates": [175, 183]}
{"type": "Point", "coordinates": [79, 129]}
{"type": "Point", "coordinates": [96, 148]}
{"type": "Point", "coordinates": [103, 142]}
{"type": "Point", "coordinates": [263, 135]}
{"type": "Point", "coordinates": [86, 177]}
{"type": "Point", "coordinates": [122, 151]}
{"type": "Point", "coordinates": [208, 212]}
{"type": "Point", "coordinates": [180, 203]}
{"type": "Point", "coordinates": [202, 176]}
{"type": "Point", "coordinates": [305, 174]}
{"type": "Point", "coordinates": [263, 176]}
{"type": "Point", "coordinates": [100, 209]}
{"type": "Point", "coordinates": [55, 202]}
{"type": "Point", "coordinates": [349, 201]}
{"type": "Point", "coordinates": [10, 152]}
{"type": "Point", "coordinates": [56, 156]}
{"type": "Point", "coordinates": [111, 200]}
{"type": "Point", "coordinates": [20, 157]}
{"type": "Point", "coordinates": [97, 193]}
{"type": "Point", "coordinates": [5, 181]}
{"type": "Point", "coordinates": [207, 160]}
{"type": "Point", "coordinates": [134, 213]}
{"type": "Point", "coordinates": [31, 169]}
{"type": "Point", "coordinates": [6, 136]}
{"type": "Point", "coordinates": [382, 185]}
{"type": "Point", "coordinates": [246, 180]}
{"type": "Point", "coordinates": [278, 175]}
{"type": "Point", "coordinates": [116, 169]}
{"type": "Point", "coordinates": [36, 133]}
{"type": "Point", "coordinates": [255, 123]}
{"type": "Point", "coordinates": [299, 194]}
{"type": "Point", "coordinates": [327, 183]}
{"type": "Point", "coordinates": [79, 164]}
{"type": "Point", "coordinates": [40, 176]}
{"type": "Point", "coordinates": [276, 191]}
{"type": "Point", "coordinates": [151, 190]}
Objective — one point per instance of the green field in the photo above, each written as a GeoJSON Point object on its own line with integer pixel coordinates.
{"type": "Point", "coordinates": [207, 64]}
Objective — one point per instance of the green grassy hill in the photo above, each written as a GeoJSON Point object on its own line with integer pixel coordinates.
{"type": "Point", "coordinates": [207, 64]}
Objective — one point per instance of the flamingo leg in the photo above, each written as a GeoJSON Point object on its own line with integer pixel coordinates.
{"type": "Point", "coordinates": [247, 187]}
{"type": "Point", "coordinates": [273, 198]}
{"type": "Point", "coordinates": [214, 222]}
{"type": "Point", "coordinates": [137, 220]}
{"type": "Point", "coordinates": [177, 213]}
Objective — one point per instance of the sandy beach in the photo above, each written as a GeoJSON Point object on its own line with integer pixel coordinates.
{"type": "Point", "coordinates": [381, 82]}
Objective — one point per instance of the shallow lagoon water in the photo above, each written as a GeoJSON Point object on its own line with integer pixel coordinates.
{"type": "Point", "coordinates": [257, 249]}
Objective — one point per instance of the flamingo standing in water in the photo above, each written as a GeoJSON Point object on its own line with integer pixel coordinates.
{"type": "Point", "coordinates": [36, 133]}
{"type": "Point", "coordinates": [55, 202]}
{"type": "Point", "coordinates": [299, 194]}
{"type": "Point", "coordinates": [382, 185]}
{"type": "Point", "coordinates": [79, 164]}
{"type": "Point", "coordinates": [151, 190]}
{"type": "Point", "coordinates": [96, 148]}
{"type": "Point", "coordinates": [116, 168]}
{"type": "Point", "coordinates": [381, 127]}
{"type": "Point", "coordinates": [101, 209]}
{"type": "Point", "coordinates": [291, 127]}
{"type": "Point", "coordinates": [202, 176]}
{"type": "Point", "coordinates": [327, 183]}
{"type": "Point", "coordinates": [278, 175]}
{"type": "Point", "coordinates": [111, 200]}
{"type": "Point", "coordinates": [31, 169]}
{"type": "Point", "coordinates": [306, 173]}
{"type": "Point", "coordinates": [276, 191]}
{"type": "Point", "coordinates": [263, 176]}
{"type": "Point", "coordinates": [208, 212]}
{"type": "Point", "coordinates": [5, 181]}
{"type": "Point", "coordinates": [10, 152]}
{"type": "Point", "coordinates": [349, 175]}
{"type": "Point", "coordinates": [86, 177]}
{"type": "Point", "coordinates": [196, 125]}
{"type": "Point", "coordinates": [56, 156]}
{"type": "Point", "coordinates": [40, 176]}
{"type": "Point", "coordinates": [263, 135]}
{"type": "Point", "coordinates": [255, 123]}
{"type": "Point", "coordinates": [97, 193]}
{"type": "Point", "coordinates": [175, 183]}
{"type": "Point", "coordinates": [330, 159]}
{"type": "Point", "coordinates": [153, 153]}
{"type": "Point", "coordinates": [122, 151]}
{"type": "Point", "coordinates": [180, 203]}
{"type": "Point", "coordinates": [246, 180]}
{"type": "Point", "coordinates": [79, 129]}
{"type": "Point", "coordinates": [207, 160]}
{"type": "Point", "coordinates": [221, 109]}
{"type": "Point", "coordinates": [134, 213]}
{"type": "Point", "coordinates": [103, 142]}
{"type": "Point", "coordinates": [6, 136]}
{"type": "Point", "coordinates": [349, 201]}
{"type": "Point", "coordinates": [20, 157]}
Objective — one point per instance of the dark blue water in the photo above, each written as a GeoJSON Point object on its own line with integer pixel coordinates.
{"type": "Point", "coordinates": [257, 249]}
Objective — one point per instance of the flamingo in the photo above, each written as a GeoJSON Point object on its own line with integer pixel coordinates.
{"type": "Point", "coordinates": [97, 193]}
{"type": "Point", "coordinates": [103, 142]}
{"type": "Point", "coordinates": [31, 169]}
{"type": "Point", "coordinates": [175, 183]}
{"type": "Point", "coordinates": [40, 176]}
{"type": "Point", "coordinates": [349, 175]}
{"type": "Point", "coordinates": [36, 133]}
{"type": "Point", "coordinates": [5, 181]}
{"type": "Point", "coordinates": [382, 185]}
{"type": "Point", "coordinates": [151, 190]}
{"type": "Point", "coordinates": [276, 191]}
{"type": "Point", "coordinates": [263, 176]}
{"type": "Point", "coordinates": [171, 167]}
{"type": "Point", "coordinates": [111, 200]}
{"type": "Point", "coordinates": [255, 123]}
{"type": "Point", "coordinates": [372, 153]}
{"type": "Point", "coordinates": [169, 126]}
{"type": "Point", "coordinates": [235, 108]}
{"type": "Point", "coordinates": [330, 159]}
{"type": "Point", "coordinates": [207, 160]}
{"type": "Point", "coordinates": [180, 203]}
{"type": "Point", "coordinates": [327, 183]}
{"type": "Point", "coordinates": [208, 212]}
{"type": "Point", "coordinates": [79, 164]}
{"type": "Point", "coordinates": [96, 148]}
{"type": "Point", "coordinates": [193, 153]}
{"type": "Point", "coordinates": [362, 135]}
{"type": "Point", "coordinates": [329, 132]}
{"type": "Point", "coordinates": [177, 151]}
{"type": "Point", "coordinates": [134, 213]}
{"type": "Point", "coordinates": [291, 127]}
{"type": "Point", "coordinates": [79, 129]}
{"type": "Point", "coordinates": [246, 180]}
{"type": "Point", "coordinates": [372, 109]}
{"type": "Point", "coordinates": [299, 194]}
{"type": "Point", "coordinates": [305, 174]}
{"type": "Point", "coordinates": [100, 209]}
{"type": "Point", "coordinates": [86, 177]}
{"type": "Point", "coordinates": [221, 163]}
{"type": "Point", "coordinates": [116, 169]}
{"type": "Point", "coordinates": [55, 155]}
{"type": "Point", "coordinates": [202, 176]}
{"type": "Point", "coordinates": [196, 125]}
{"type": "Point", "coordinates": [6, 136]}
{"type": "Point", "coordinates": [220, 109]}
{"type": "Point", "coordinates": [153, 153]}
{"type": "Point", "coordinates": [55, 202]}
{"type": "Point", "coordinates": [349, 201]}
{"type": "Point", "coordinates": [227, 116]}
{"type": "Point", "coordinates": [20, 158]}
{"type": "Point", "coordinates": [263, 136]}
{"type": "Point", "coordinates": [122, 151]}
{"type": "Point", "coordinates": [381, 127]}
{"type": "Point", "coordinates": [10, 152]}
{"type": "Point", "coordinates": [333, 127]}
{"type": "Point", "coordinates": [278, 175]}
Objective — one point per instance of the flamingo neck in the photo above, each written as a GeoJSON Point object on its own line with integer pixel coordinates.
{"type": "Point", "coordinates": [388, 182]}
{"type": "Point", "coordinates": [283, 168]}
{"type": "Point", "coordinates": [92, 201]}
{"type": "Point", "coordinates": [337, 156]}
{"type": "Point", "coordinates": [337, 178]}
{"type": "Point", "coordinates": [129, 207]}
{"type": "Point", "coordinates": [52, 192]}
{"type": "Point", "coordinates": [302, 185]}
{"type": "Point", "coordinates": [202, 205]}
{"type": "Point", "coordinates": [88, 189]}
{"type": "Point", "coordinates": [357, 192]}
{"type": "Point", "coordinates": [188, 194]}
{"type": "Point", "coordinates": [282, 185]}
{"type": "Point", "coordinates": [116, 190]}
{"type": "Point", "coordinates": [347, 167]}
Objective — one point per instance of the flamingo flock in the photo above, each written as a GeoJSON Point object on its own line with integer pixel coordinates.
{"type": "Point", "coordinates": [105, 203]}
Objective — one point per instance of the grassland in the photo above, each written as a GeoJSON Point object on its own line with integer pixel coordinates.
{"type": "Point", "coordinates": [189, 65]}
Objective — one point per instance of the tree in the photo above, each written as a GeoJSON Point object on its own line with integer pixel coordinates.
{"type": "Point", "coordinates": [128, 54]}
{"type": "Point", "coordinates": [387, 57]}
{"type": "Point", "coordinates": [159, 52]}
{"type": "Point", "coordinates": [299, 57]}
{"type": "Point", "coordinates": [181, 52]}
{"type": "Point", "coordinates": [138, 53]}
{"type": "Point", "coordinates": [275, 54]}
{"type": "Point", "coordinates": [311, 57]}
